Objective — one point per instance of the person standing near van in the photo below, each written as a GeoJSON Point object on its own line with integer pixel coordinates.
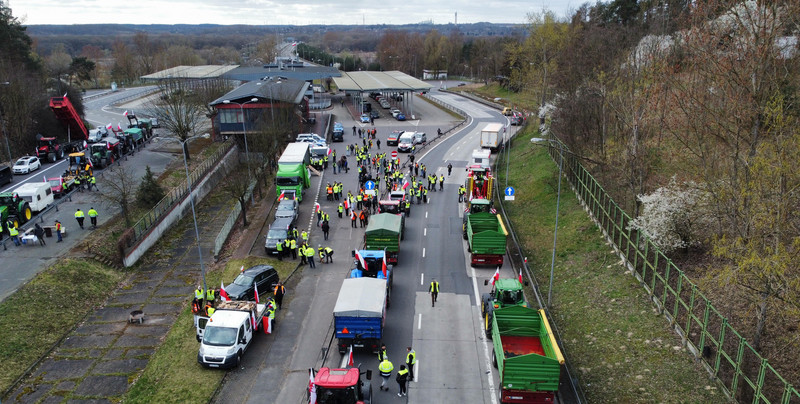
{"type": "Point", "coordinates": [93, 217]}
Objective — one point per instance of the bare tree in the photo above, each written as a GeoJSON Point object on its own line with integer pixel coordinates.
{"type": "Point", "coordinates": [179, 111]}
{"type": "Point", "coordinates": [119, 190]}
{"type": "Point", "coordinates": [236, 184]}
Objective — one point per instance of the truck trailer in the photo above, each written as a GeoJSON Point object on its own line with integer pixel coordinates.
{"type": "Point", "coordinates": [527, 356]}
{"type": "Point", "coordinates": [384, 232]}
{"type": "Point", "coordinates": [360, 313]}
{"type": "Point", "coordinates": [490, 136]}
{"type": "Point", "coordinates": [293, 176]}
{"type": "Point", "coordinates": [486, 235]}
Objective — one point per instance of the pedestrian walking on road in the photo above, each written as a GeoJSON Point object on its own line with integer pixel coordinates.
{"type": "Point", "coordinates": [58, 231]}
{"type": "Point", "coordinates": [434, 289]}
{"type": "Point", "coordinates": [79, 216]}
{"type": "Point", "coordinates": [280, 290]}
{"type": "Point", "coordinates": [326, 228]}
{"type": "Point", "coordinates": [93, 183]}
{"type": "Point", "coordinates": [402, 380]}
{"type": "Point", "coordinates": [411, 360]}
{"type": "Point", "coordinates": [385, 369]}
{"type": "Point", "coordinates": [39, 232]}
{"type": "Point", "coordinates": [93, 217]}
{"type": "Point", "coordinates": [449, 168]}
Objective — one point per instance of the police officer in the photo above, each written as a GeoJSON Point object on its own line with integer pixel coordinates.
{"type": "Point", "coordinates": [441, 182]}
{"type": "Point", "coordinates": [93, 217]}
{"type": "Point", "coordinates": [286, 244]}
{"type": "Point", "coordinates": [93, 183]}
{"type": "Point", "coordinates": [385, 368]}
{"type": "Point", "coordinates": [79, 217]}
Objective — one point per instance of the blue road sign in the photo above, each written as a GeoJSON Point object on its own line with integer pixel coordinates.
{"type": "Point", "coordinates": [509, 191]}
{"type": "Point", "coordinates": [369, 185]}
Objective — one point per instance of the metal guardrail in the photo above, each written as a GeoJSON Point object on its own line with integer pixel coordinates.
{"type": "Point", "coordinates": [743, 373]}
{"type": "Point", "coordinates": [173, 197]}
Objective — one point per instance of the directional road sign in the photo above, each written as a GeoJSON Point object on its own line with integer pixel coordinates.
{"type": "Point", "coordinates": [509, 193]}
{"type": "Point", "coordinates": [369, 185]}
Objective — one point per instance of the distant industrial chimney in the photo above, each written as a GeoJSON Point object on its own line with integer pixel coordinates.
{"type": "Point", "coordinates": [456, 17]}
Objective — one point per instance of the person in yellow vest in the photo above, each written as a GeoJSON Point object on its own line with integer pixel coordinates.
{"type": "Point", "coordinates": [293, 248]}
{"type": "Point", "coordinates": [434, 289]}
{"type": "Point", "coordinates": [13, 232]}
{"type": "Point", "coordinates": [402, 379]}
{"type": "Point", "coordinates": [93, 217]}
{"type": "Point", "coordinates": [279, 248]}
{"type": "Point", "coordinates": [77, 184]}
{"type": "Point", "coordinates": [199, 294]}
{"type": "Point", "coordinates": [411, 360]}
{"type": "Point", "coordinates": [385, 369]}
{"type": "Point", "coordinates": [79, 216]}
{"type": "Point", "coordinates": [93, 183]}
{"type": "Point", "coordinates": [211, 297]}
{"type": "Point", "coordinates": [210, 310]}
{"type": "Point", "coordinates": [310, 256]}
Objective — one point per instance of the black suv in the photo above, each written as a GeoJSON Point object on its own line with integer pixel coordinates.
{"type": "Point", "coordinates": [265, 276]}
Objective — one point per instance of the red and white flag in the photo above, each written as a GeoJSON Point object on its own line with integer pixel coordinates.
{"type": "Point", "coordinates": [253, 320]}
{"type": "Point", "coordinates": [255, 290]}
{"type": "Point", "coordinates": [222, 293]}
{"type": "Point", "coordinates": [110, 127]}
{"type": "Point", "coordinates": [350, 361]}
{"type": "Point", "coordinates": [125, 113]}
{"type": "Point", "coordinates": [405, 184]}
{"type": "Point", "coordinates": [520, 275]}
{"type": "Point", "coordinates": [280, 197]}
{"type": "Point", "coordinates": [496, 276]}
{"type": "Point", "coordinates": [316, 207]}
{"type": "Point", "coordinates": [268, 322]}
{"type": "Point", "coordinates": [361, 260]}
{"type": "Point", "coordinates": [294, 44]}
{"type": "Point", "coordinates": [330, 151]}
{"type": "Point", "coordinates": [312, 389]}
{"type": "Point", "coordinates": [383, 267]}
{"type": "Point", "coordinates": [241, 269]}
{"type": "Point", "coordinates": [119, 127]}
{"type": "Point", "coordinates": [45, 178]}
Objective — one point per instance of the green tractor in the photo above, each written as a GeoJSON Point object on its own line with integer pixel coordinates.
{"type": "Point", "coordinates": [505, 292]}
{"type": "Point", "coordinates": [13, 209]}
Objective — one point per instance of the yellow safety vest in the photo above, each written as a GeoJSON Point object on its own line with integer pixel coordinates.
{"type": "Point", "coordinates": [198, 294]}
{"type": "Point", "coordinates": [12, 231]}
{"type": "Point", "coordinates": [385, 367]}
{"type": "Point", "coordinates": [435, 287]}
{"type": "Point", "coordinates": [92, 213]}
{"type": "Point", "coordinates": [79, 213]}
{"type": "Point", "coordinates": [210, 294]}
{"type": "Point", "coordinates": [411, 358]}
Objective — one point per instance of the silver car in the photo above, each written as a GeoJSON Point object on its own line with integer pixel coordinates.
{"type": "Point", "coordinates": [287, 209]}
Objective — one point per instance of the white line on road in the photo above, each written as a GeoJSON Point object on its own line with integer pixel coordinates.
{"type": "Point", "coordinates": [425, 232]}
{"type": "Point", "coordinates": [419, 322]}
{"type": "Point", "coordinates": [423, 252]}
{"type": "Point", "coordinates": [426, 215]}
{"type": "Point", "coordinates": [422, 279]}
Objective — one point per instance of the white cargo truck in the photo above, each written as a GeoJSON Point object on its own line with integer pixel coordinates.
{"type": "Point", "coordinates": [491, 136]}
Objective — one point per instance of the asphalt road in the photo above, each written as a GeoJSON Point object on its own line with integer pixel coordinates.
{"type": "Point", "coordinates": [454, 362]}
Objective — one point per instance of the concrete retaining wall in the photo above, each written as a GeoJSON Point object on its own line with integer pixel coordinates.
{"type": "Point", "coordinates": [200, 191]}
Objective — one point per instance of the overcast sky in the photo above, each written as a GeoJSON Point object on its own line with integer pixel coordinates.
{"type": "Point", "coordinates": [286, 12]}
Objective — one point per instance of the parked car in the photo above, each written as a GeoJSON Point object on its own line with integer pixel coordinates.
{"type": "Point", "coordinates": [287, 208]}
{"type": "Point", "coordinates": [395, 112]}
{"type": "Point", "coordinates": [517, 119]}
{"type": "Point", "coordinates": [313, 136]}
{"type": "Point", "coordinates": [397, 97]}
{"type": "Point", "coordinates": [392, 139]}
{"type": "Point", "coordinates": [420, 137]}
{"type": "Point", "coordinates": [6, 175]}
{"type": "Point", "coordinates": [385, 104]}
{"type": "Point", "coordinates": [364, 118]}
{"type": "Point", "coordinates": [26, 165]}
{"type": "Point", "coordinates": [374, 114]}
{"type": "Point", "coordinates": [154, 123]}
{"type": "Point", "coordinates": [243, 287]}
{"type": "Point", "coordinates": [400, 117]}
{"type": "Point", "coordinates": [406, 142]}
{"type": "Point", "coordinates": [508, 111]}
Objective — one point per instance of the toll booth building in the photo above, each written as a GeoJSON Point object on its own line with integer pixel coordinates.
{"type": "Point", "coordinates": [255, 105]}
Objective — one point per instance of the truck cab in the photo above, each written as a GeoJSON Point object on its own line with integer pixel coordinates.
{"type": "Point", "coordinates": [370, 264]}
{"type": "Point", "coordinates": [336, 386]}
{"type": "Point", "coordinates": [395, 208]}
{"type": "Point", "coordinates": [228, 333]}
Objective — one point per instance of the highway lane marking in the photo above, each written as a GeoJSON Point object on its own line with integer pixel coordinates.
{"type": "Point", "coordinates": [423, 252]}
{"type": "Point", "coordinates": [486, 353]}
{"type": "Point", "coordinates": [419, 322]}
{"type": "Point", "coordinates": [422, 279]}
{"type": "Point", "coordinates": [425, 232]}
{"type": "Point", "coordinates": [426, 215]}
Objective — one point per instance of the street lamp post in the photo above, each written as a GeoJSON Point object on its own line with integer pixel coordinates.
{"type": "Point", "coordinates": [558, 202]}
{"type": "Point", "coordinates": [244, 132]}
{"type": "Point", "coordinates": [191, 200]}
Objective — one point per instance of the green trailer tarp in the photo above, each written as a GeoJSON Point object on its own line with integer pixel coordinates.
{"type": "Point", "coordinates": [486, 234]}
{"type": "Point", "coordinates": [383, 231]}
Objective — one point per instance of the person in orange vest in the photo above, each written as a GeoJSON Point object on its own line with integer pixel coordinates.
{"type": "Point", "coordinates": [352, 218]}
{"type": "Point", "coordinates": [58, 231]}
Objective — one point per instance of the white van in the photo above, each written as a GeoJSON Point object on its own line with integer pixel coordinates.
{"type": "Point", "coordinates": [38, 195]}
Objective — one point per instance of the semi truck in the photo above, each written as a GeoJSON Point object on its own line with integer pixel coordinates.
{"type": "Point", "coordinates": [384, 232]}
{"type": "Point", "coordinates": [491, 136]}
{"type": "Point", "coordinates": [370, 263]}
{"type": "Point", "coordinates": [340, 386]}
{"type": "Point", "coordinates": [225, 336]}
{"type": "Point", "coordinates": [526, 355]}
{"type": "Point", "coordinates": [360, 313]}
{"type": "Point", "coordinates": [486, 235]}
{"type": "Point", "coordinates": [293, 176]}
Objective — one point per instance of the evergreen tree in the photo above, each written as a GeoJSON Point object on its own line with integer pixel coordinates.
{"type": "Point", "coordinates": [150, 191]}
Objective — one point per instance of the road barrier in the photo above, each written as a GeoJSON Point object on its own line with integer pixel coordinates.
{"type": "Point", "coordinates": [743, 373]}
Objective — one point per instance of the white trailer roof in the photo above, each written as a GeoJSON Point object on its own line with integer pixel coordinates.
{"type": "Point", "coordinates": [294, 153]}
{"type": "Point", "coordinates": [361, 297]}
{"type": "Point", "coordinates": [493, 127]}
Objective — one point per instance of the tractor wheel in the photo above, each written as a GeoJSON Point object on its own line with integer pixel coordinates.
{"type": "Point", "coordinates": [25, 213]}
{"type": "Point", "coordinates": [60, 153]}
{"type": "Point", "coordinates": [51, 157]}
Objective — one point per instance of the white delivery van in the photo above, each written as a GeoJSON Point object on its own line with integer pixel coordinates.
{"type": "Point", "coordinates": [39, 195]}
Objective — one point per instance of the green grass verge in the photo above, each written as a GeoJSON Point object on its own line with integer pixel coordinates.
{"type": "Point", "coordinates": [42, 311]}
{"type": "Point", "coordinates": [173, 374]}
{"type": "Point", "coordinates": [621, 349]}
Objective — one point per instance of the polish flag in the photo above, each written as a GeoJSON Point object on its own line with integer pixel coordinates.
{"type": "Point", "coordinates": [110, 127]}
{"type": "Point", "coordinates": [125, 113]}
{"type": "Point", "coordinates": [496, 276]}
{"type": "Point", "coordinates": [253, 321]}
{"type": "Point", "coordinates": [312, 389]}
{"type": "Point", "coordinates": [383, 267]}
{"type": "Point", "coordinates": [268, 322]}
{"type": "Point", "coordinates": [294, 44]}
{"type": "Point", "coordinates": [330, 151]}
{"type": "Point", "coordinates": [119, 127]}
{"type": "Point", "coordinates": [222, 293]}
{"type": "Point", "coordinates": [255, 290]}
{"type": "Point", "coordinates": [280, 197]}
{"type": "Point", "coordinates": [361, 260]}
{"type": "Point", "coordinates": [241, 269]}
{"type": "Point", "coordinates": [405, 184]}
{"type": "Point", "coordinates": [350, 361]}
{"type": "Point", "coordinates": [316, 207]}
{"type": "Point", "coordinates": [520, 275]}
